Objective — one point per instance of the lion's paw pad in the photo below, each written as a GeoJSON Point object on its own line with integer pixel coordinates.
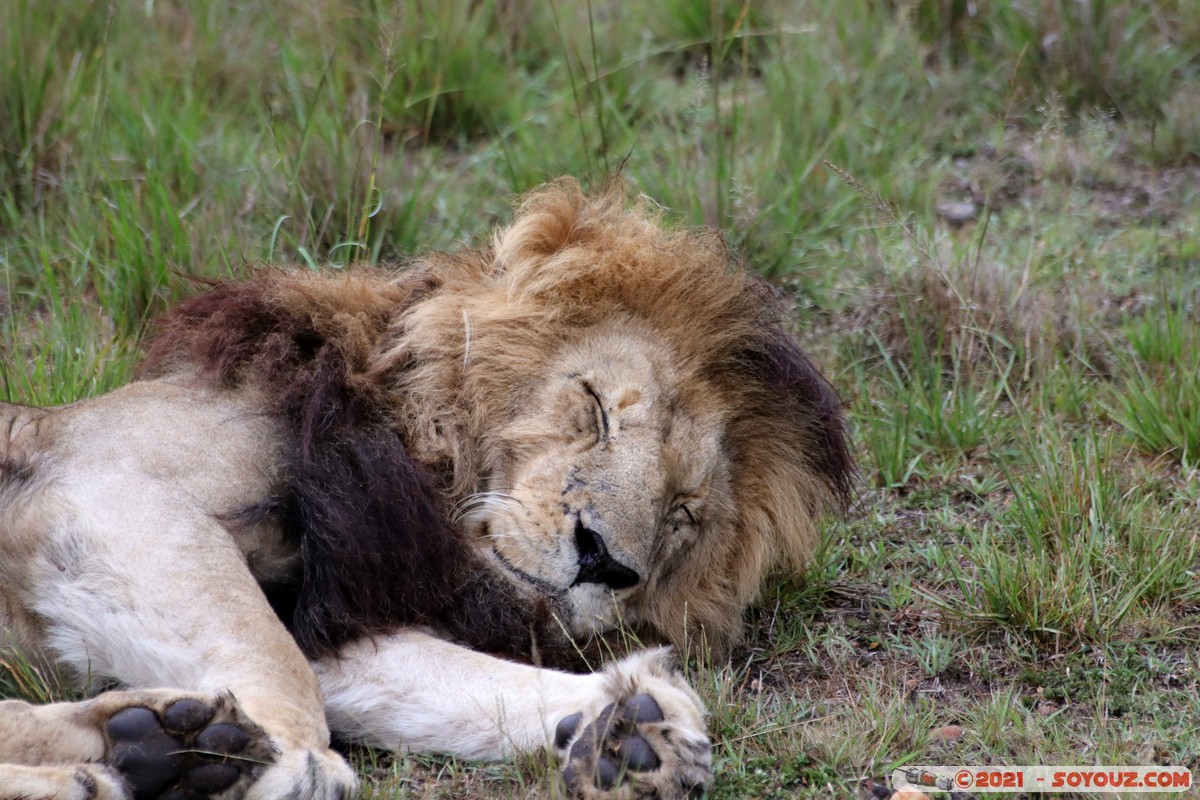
{"type": "Point", "coordinates": [616, 750]}
{"type": "Point", "coordinates": [190, 750]}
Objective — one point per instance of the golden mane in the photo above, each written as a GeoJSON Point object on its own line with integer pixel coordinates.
{"type": "Point", "coordinates": [459, 362]}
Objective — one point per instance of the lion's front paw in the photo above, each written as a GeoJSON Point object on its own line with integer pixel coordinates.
{"type": "Point", "coordinates": [649, 741]}
{"type": "Point", "coordinates": [185, 747]}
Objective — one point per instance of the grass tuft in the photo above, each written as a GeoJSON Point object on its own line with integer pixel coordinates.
{"type": "Point", "coordinates": [1157, 398]}
{"type": "Point", "coordinates": [1081, 554]}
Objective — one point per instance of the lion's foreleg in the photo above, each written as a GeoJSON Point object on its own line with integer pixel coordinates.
{"type": "Point", "coordinates": [45, 750]}
{"type": "Point", "coordinates": [60, 733]}
{"type": "Point", "coordinates": [82, 782]}
{"type": "Point", "coordinates": [636, 722]}
{"type": "Point", "coordinates": [413, 691]}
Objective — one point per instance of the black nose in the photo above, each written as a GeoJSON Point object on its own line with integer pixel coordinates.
{"type": "Point", "coordinates": [596, 565]}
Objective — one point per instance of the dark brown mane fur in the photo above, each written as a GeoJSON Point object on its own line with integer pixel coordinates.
{"type": "Point", "coordinates": [376, 549]}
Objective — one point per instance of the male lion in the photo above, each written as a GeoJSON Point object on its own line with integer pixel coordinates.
{"type": "Point", "coordinates": [595, 423]}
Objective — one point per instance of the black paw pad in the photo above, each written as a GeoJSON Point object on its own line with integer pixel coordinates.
{"type": "Point", "coordinates": [210, 778]}
{"type": "Point", "coordinates": [642, 708]}
{"type": "Point", "coordinates": [143, 752]}
{"type": "Point", "coordinates": [637, 754]}
{"type": "Point", "coordinates": [611, 748]}
{"type": "Point", "coordinates": [179, 755]}
{"type": "Point", "coordinates": [607, 772]}
{"type": "Point", "coordinates": [566, 728]}
{"type": "Point", "coordinates": [223, 738]}
{"type": "Point", "coordinates": [186, 716]}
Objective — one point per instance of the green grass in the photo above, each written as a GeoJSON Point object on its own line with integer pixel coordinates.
{"type": "Point", "coordinates": [1158, 397]}
{"type": "Point", "coordinates": [1024, 387]}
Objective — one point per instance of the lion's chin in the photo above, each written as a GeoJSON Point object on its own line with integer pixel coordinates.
{"type": "Point", "coordinates": [594, 610]}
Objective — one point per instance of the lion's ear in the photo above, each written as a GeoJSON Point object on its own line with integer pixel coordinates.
{"type": "Point", "coordinates": [557, 216]}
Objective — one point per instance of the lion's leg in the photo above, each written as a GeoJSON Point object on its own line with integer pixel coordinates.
{"type": "Point", "coordinates": [50, 753]}
{"type": "Point", "coordinates": [636, 725]}
{"type": "Point", "coordinates": [130, 744]}
{"type": "Point", "coordinates": [82, 782]}
{"type": "Point", "coordinates": [148, 591]}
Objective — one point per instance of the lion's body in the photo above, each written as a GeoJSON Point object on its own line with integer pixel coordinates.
{"type": "Point", "coordinates": [595, 422]}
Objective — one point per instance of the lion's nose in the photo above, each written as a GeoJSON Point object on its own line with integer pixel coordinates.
{"type": "Point", "coordinates": [596, 565]}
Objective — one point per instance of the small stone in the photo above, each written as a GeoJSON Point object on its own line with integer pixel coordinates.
{"type": "Point", "coordinates": [957, 213]}
{"type": "Point", "coordinates": [949, 733]}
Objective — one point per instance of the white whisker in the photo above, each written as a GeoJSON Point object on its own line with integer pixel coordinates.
{"type": "Point", "coordinates": [486, 502]}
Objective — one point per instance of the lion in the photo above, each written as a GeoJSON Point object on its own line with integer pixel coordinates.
{"type": "Point", "coordinates": [403, 506]}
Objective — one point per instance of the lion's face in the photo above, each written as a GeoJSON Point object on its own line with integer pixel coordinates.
{"type": "Point", "coordinates": [613, 470]}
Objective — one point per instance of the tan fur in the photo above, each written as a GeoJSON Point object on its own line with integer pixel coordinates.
{"type": "Point", "coordinates": [592, 375]}
{"type": "Point", "coordinates": [84, 782]}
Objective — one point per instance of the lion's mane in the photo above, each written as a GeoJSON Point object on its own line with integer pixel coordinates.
{"type": "Point", "coordinates": [390, 386]}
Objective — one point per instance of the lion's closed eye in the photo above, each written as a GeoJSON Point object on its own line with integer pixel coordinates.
{"type": "Point", "coordinates": [683, 514]}
{"type": "Point", "coordinates": [599, 413]}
